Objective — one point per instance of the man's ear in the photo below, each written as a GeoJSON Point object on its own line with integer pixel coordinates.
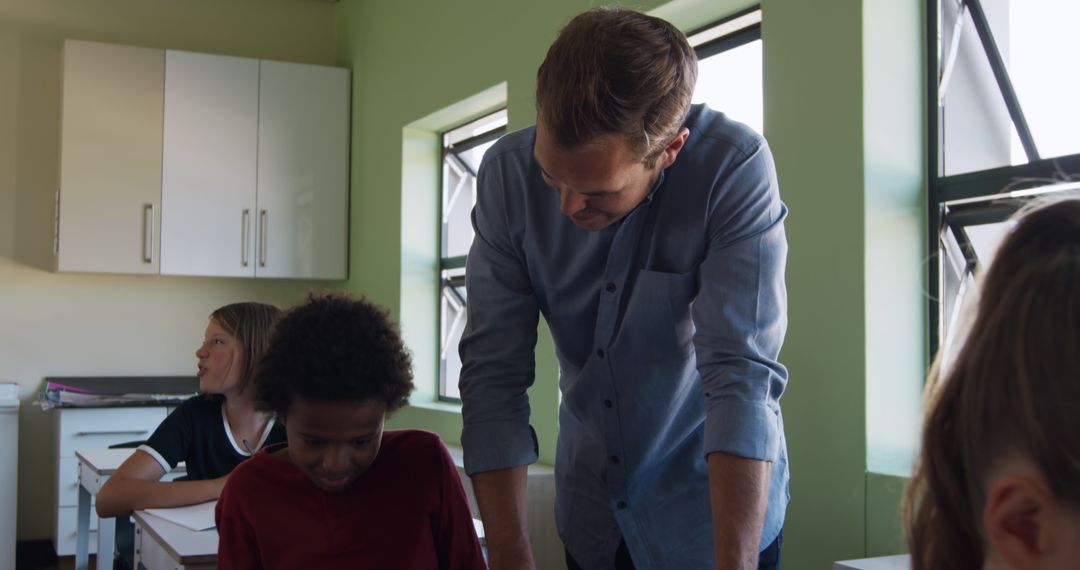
{"type": "Point", "coordinates": [1017, 520]}
{"type": "Point", "coordinates": [671, 151]}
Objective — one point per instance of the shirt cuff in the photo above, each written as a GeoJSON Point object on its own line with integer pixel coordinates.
{"type": "Point", "coordinates": [157, 456]}
{"type": "Point", "coordinates": [491, 446]}
{"type": "Point", "coordinates": [745, 429]}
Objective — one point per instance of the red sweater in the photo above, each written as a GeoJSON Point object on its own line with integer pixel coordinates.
{"type": "Point", "coordinates": [407, 511]}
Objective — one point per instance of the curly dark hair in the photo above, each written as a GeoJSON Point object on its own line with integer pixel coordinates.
{"type": "Point", "coordinates": [334, 347]}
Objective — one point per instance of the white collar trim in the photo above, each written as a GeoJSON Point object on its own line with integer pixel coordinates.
{"type": "Point", "coordinates": [245, 450]}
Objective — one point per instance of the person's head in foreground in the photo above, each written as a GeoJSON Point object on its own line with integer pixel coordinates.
{"type": "Point", "coordinates": [334, 370]}
{"type": "Point", "coordinates": [998, 482]}
{"type": "Point", "coordinates": [611, 98]}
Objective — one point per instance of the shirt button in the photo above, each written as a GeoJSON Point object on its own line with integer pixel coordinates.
{"type": "Point", "coordinates": [610, 287]}
{"type": "Point", "coordinates": [621, 505]}
{"type": "Point", "coordinates": [614, 459]}
{"type": "Point", "coordinates": [600, 352]}
{"type": "Point", "coordinates": [607, 403]}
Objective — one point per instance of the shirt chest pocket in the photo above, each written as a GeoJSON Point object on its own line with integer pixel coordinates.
{"type": "Point", "coordinates": [658, 320]}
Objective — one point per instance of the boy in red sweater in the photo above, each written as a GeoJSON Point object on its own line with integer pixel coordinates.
{"type": "Point", "coordinates": [342, 493]}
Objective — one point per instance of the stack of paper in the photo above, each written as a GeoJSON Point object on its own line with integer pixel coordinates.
{"type": "Point", "coordinates": [116, 391]}
{"type": "Point", "coordinates": [195, 517]}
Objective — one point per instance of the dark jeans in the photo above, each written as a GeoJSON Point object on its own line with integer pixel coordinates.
{"type": "Point", "coordinates": [769, 559]}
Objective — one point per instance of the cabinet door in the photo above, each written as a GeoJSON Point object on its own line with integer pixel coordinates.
{"type": "Point", "coordinates": [303, 168]}
{"type": "Point", "coordinates": [208, 171]}
{"type": "Point", "coordinates": [109, 208]}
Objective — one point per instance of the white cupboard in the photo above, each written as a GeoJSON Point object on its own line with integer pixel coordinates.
{"type": "Point", "coordinates": [303, 170]}
{"type": "Point", "coordinates": [109, 201]}
{"type": "Point", "coordinates": [241, 165]}
{"type": "Point", "coordinates": [208, 172]}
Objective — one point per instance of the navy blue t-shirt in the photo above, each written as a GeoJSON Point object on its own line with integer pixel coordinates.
{"type": "Point", "coordinates": [196, 433]}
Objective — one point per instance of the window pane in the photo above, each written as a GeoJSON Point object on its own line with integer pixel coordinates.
{"type": "Point", "coordinates": [730, 82]}
{"type": "Point", "coordinates": [971, 232]}
{"type": "Point", "coordinates": [463, 149]}
{"type": "Point", "coordinates": [459, 197]}
{"type": "Point", "coordinates": [452, 320]}
{"type": "Point", "coordinates": [461, 160]}
{"type": "Point", "coordinates": [1043, 48]}
{"type": "Point", "coordinates": [1034, 39]}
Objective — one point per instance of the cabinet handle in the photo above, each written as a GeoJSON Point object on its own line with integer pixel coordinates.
{"type": "Point", "coordinates": [148, 233]}
{"type": "Point", "coordinates": [263, 217]}
{"type": "Point", "coordinates": [244, 225]}
{"type": "Point", "coordinates": [112, 432]}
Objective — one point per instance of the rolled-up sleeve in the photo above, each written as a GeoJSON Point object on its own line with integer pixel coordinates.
{"type": "Point", "coordinates": [498, 345]}
{"type": "Point", "coordinates": [740, 313]}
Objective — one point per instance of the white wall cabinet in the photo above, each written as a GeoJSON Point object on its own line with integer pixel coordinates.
{"type": "Point", "coordinates": [303, 173]}
{"type": "Point", "coordinates": [109, 201]}
{"type": "Point", "coordinates": [208, 174]}
{"type": "Point", "coordinates": [246, 165]}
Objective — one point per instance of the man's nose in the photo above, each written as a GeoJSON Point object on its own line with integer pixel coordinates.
{"type": "Point", "coordinates": [570, 202]}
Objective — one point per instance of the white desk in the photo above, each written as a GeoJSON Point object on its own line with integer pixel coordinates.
{"type": "Point", "coordinates": [898, 562]}
{"type": "Point", "coordinates": [95, 466]}
{"type": "Point", "coordinates": [162, 545]}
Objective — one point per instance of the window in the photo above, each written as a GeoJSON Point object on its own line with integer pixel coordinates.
{"type": "Point", "coordinates": [463, 148]}
{"type": "Point", "coordinates": [729, 67]}
{"type": "Point", "coordinates": [1002, 130]}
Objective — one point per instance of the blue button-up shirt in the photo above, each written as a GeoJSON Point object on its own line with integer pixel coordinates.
{"type": "Point", "coordinates": [667, 326]}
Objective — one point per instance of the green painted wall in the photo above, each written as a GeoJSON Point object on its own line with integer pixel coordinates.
{"type": "Point", "coordinates": [413, 59]}
{"type": "Point", "coordinates": [813, 97]}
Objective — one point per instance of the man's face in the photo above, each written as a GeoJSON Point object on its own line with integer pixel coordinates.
{"type": "Point", "coordinates": [598, 184]}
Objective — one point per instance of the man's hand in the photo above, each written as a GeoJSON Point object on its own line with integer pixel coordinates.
{"type": "Point", "coordinates": [501, 497]}
{"type": "Point", "coordinates": [739, 490]}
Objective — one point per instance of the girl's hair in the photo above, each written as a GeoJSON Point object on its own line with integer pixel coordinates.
{"type": "Point", "coordinates": [1013, 389]}
{"type": "Point", "coordinates": [334, 348]}
{"type": "Point", "coordinates": [252, 324]}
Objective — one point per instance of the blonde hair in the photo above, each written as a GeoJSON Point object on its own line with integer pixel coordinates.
{"type": "Point", "coordinates": [1012, 389]}
{"type": "Point", "coordinates": [252, 324]}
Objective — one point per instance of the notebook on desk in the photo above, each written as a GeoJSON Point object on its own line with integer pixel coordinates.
{"type": "Point", "coordinates": [195, 517]}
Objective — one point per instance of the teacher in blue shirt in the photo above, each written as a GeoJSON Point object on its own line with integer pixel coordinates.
{"type": "Point", "coordinates": [649, 233]}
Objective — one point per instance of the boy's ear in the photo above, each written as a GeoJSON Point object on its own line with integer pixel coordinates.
{"type": "Point", "coordinates": [1017, 520]}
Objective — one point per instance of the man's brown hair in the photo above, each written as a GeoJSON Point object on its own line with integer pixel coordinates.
{"type": "Point", "coordinates": [616, 71]}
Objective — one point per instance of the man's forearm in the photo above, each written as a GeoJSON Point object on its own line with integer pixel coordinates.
{"type": "Point", "coordinates": [739, 492]}
{"type": "Point", "coordinates": [501, 496]}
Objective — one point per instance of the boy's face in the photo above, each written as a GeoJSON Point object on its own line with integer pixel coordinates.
{"type": "Point", "coordinates": [334, 443]}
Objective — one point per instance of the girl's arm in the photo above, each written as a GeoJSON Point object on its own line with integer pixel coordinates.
{"type": "Point", "coordinates": [137, 485]}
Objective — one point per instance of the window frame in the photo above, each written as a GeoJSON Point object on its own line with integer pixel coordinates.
{"type": "Point", "coordinates": [945, 190]}
{"type": "Point", "coordinates": [442, 263]}
{"type": "Point", "coordinates": [738, 36]}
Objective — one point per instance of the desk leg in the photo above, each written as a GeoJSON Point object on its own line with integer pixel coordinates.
{"type": "Point", "coordinates": [82, 532]}
{"type": "Point", "coordinates": [106, 543]}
